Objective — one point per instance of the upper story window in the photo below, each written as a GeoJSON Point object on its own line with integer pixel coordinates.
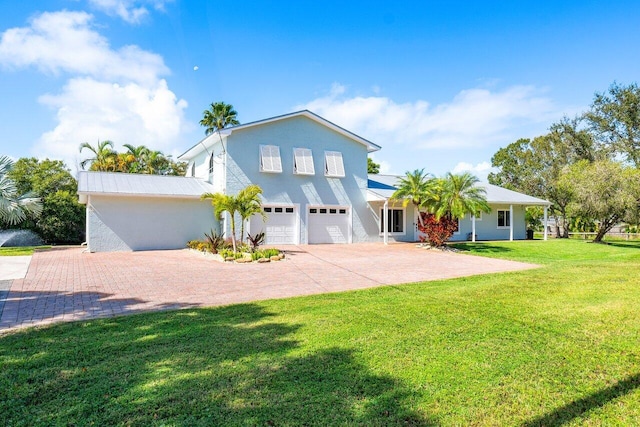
{"type": "Point", "coordinates": [270, 159]}
{"type": "Point", "coordinates": [303, 162]}
{"type": "Point", "coordinates": [333, 164]}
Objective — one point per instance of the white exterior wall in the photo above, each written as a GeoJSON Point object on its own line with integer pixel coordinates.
{"type": "Point", "coordinates": [144, 223]}
{"type": "Point", "coordinates": [303, 191]}
{"type": "Point", "coordinates": [487, 227]}
{"type": "Point", "coordinates": [410, 219]}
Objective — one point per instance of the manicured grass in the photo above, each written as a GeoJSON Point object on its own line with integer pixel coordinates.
{"type": "Point", "coordinates": [22, 250]}
{"type": "Point", "coordinates": [548, 346]}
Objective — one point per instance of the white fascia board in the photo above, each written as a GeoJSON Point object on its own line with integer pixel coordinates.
{"type": "Point", "coordinates": [205, 144]}
{"type": "Point", "coordinates": [133, 195]}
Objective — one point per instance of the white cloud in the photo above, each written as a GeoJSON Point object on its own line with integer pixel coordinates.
{"type": "Point", "coordinates": [481, 170]}
{"type": "Point", "coordinates": [65, 42]}
{"type": "Point", "coordinates": [131, 11]}
{"type": "Point", "coordinates": [90, 110]}
{"type": "Point", "coordinates": [473, 118]}
{"type": "Point", "coordinates": [116, 94]}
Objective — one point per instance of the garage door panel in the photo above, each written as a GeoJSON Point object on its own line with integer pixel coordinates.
{"type": "Point", "coordinates": [329, 225]}
{"type": "Point", "coordinates": [279, 227]}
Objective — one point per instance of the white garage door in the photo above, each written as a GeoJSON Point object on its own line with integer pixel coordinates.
{"type": "Point", "coordinates": [329, 225]}
{"type": "Point", "coordinates": [279, 226]}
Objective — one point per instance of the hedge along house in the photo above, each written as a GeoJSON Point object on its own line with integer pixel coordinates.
{"type": "Point", "coordinates": [315, 190]}
{"type": "Point", "coordinates": [505, 222]}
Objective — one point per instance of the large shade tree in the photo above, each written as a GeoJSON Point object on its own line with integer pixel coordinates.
{"type": "Point", "coordinates": [606, 191]}
{"type": "Point", "coordinates": [15, 207]}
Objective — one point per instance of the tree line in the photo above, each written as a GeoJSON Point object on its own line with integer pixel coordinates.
{"type": "Point", "coordinates": [588, 166]}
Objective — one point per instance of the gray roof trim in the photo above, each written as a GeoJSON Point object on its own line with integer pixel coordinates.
{"type": "Point", "coordinates": [139, 185]}
{"type": "Point", "coordinates": [495, 195]}
{"type": "Point", "coordinates": [371, 147]}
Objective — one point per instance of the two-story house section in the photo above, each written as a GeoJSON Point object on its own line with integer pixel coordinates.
{"type": "Point", "coordinates": [313, 174]}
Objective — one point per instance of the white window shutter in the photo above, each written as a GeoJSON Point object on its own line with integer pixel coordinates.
{"type": "Point", "coordinates": [303, 161]}
{"type": "Point", "coordinates": [334, 166]}
{"type": "Point", "coordinates": [270, 158]}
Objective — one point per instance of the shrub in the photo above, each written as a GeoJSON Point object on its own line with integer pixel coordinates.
{"type": "Point", "coordinates": [256, 241]}
{"type": "Point", "coordinates": [215, 241]}
{"type": "Point", "coordinates": [437, 231]}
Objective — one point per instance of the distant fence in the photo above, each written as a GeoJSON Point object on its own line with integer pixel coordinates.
{"type": "Point", "coordinates": [612, 235]}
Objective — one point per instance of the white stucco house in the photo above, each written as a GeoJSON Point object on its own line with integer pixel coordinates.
{"type": "Point", "coordinates": [315, 190]}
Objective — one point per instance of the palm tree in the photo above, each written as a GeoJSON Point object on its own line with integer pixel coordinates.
{"type": "Point", "coordinates": [14, 207]}
{"type": "Point", "coordinates": [417, 187]}
{"type": "Point", "coordinates": [103, 156]}
{"type": "Point", "coordinates": [245, 203]}
{"type": "Point", "coordinates": [460, 195]}
{"type": "Point", "coordinates": [136, 158]}
{"type": "Point", "coordinates": [219, 116]}
{"type": "Point", "coordinates": [249, 205]}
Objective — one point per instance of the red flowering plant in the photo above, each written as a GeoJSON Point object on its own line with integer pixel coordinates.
{"type": "Point", "coordinates": [437, 231]}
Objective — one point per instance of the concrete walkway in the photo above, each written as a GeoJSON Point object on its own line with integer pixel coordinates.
{"type": "Point", "coordinates": [11, 267]}
{"type": "Point", "coordinates": [65, 284]}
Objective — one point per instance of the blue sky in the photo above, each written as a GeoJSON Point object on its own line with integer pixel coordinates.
{"type": "Point", "coordinates": [440, 85]}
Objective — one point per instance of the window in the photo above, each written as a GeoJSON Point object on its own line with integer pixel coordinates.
{"type": "Point", "coordinates": [303, 162]}
{"type": "Point", "coordinates": [333, 164]}
{"type": "Point", "coordinates": [323, 211]}
{"type": "Point", "coordinates": [193, 169]}
{"type": "Point", "coordinates": [504, 218]}
{"type": "Point", "coordinates": [270, 159]}
{"type": "Point", "coordinates": [313, 210]}
{"type": "Point", "coordinates": [343, 211]}
{"type": "Point", "coordinates": [267, 209]}
{"type": "Point", "coordinates": [333, 211]}
{"type": "Point", "coordinates": [396, 221]}
{"type": "Point", "coordinates": [289, 210]}
{"type": "Point", "coordinates": [278, 210]}
{"type": "Point", "coordinates": [211, 163]}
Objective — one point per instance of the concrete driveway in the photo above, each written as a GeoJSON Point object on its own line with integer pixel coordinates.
{"type": "Point", "coordinates": [65, 284]}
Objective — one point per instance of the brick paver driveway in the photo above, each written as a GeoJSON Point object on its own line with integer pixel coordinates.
{"type": "Point", "coordinates": [67, 284]}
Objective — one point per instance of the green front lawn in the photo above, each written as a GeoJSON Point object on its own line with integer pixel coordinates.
{"type": "Point", "coordinates": [549, 346]}
{"type": "Point", "coordinates": [22, 250]}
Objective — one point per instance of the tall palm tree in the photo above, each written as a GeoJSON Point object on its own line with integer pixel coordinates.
{"type": "Point", "coordinates": [249, 205]}
{"type": "Point", "coordinates": [103, 156]}
{"type": "Point", "coordinates": [417, 187]}
{"type": "Point", "coordinates": [460, 195]}
{"type": "Point", "coordinates": [218, 116]}
{"type": "Point", "coordinates": [15, 207]}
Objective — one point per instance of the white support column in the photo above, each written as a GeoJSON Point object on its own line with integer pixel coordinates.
{"type": "Point", "coordinates": [385, 222]}
{"type": "Point", "coordinates": [546, 226]}
{"type": "Point", "coordinates": [473, 228]}
{"type": "Point", "coordinates": [511, 223]}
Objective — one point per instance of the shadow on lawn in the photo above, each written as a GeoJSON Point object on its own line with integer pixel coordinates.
{"type": "Point", "coordinates": [579, 407]}
{"type": "Point", "coordinates": [16, 307]}
{"type": "Point", "coordinates": [224, 366]}
{"type": "Point", "coordinates": [481, 248]}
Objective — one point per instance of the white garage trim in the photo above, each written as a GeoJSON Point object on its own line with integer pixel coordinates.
{"type": "Point", "coordinates": [335, 224]}
{"type": "Point", "coordinates": [286, 220]}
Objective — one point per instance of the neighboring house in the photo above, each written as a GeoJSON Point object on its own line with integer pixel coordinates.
{"type": "Point", "coordinates": [315, 190]}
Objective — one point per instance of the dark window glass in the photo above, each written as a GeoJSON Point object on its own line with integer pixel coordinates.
{"type": "Point", "coordinates": [278, 210]}
{"type": "Point", "coordinates": [267, 209]}
{"type": "Point", "coordinates": [343, 211]}
{"type": "Point", "coordinates": [313, 210]}
{"type": "Point", "coordinates": [323, 211]}
{"type": "Point", "coordinates": [289, 210]}
{"type": "Point", "coordinates": [333, 211]}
